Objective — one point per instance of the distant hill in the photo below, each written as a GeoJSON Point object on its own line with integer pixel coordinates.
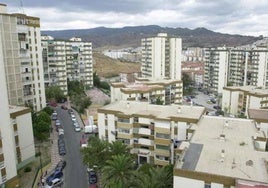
{"type": "Point", "coordinates": [131, 36]}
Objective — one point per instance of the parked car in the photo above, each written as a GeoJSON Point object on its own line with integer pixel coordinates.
{"type": "Point", "coordinates": [61, 131]}
{"type": "Point", "coordinates": [92, 177]}
{"type": "Point", "coordinates": [61, 165]}
{"type": "Point", "coordinates": [54, 183]}
{"type": "Point", "coordinates": [56, 174]}
{"type": "Point", "coordinates": [217, 107]}
{"type": "Point", "coordinates": [62, 150]}
{"type": "Point", "coordinates": [64, 107]}
{"type": "Point", "coordinates": [57, 123]}
{"type": "Point", "coordinates": [70, 111]}
{"type": "Point", "coordinates": [77, 128]}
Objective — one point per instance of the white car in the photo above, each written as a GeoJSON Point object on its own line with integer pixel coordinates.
{"type": "Point", "coordinates": [54, 183]}
{"type": "Point", "coordinates": [77, 129]}
{"type": "Point", "coordinates": [61, 132]}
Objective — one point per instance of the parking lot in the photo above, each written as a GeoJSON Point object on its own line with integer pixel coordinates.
{"type": "Point", "coordinates": [202, 100]}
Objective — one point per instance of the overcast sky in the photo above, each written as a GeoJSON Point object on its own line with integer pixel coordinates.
{"type": "Point", "coordinates": [246, 17]}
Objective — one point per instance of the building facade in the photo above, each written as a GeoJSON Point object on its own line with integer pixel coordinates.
{"type": "Point", "coordinates": [16, 135]}
{"type": "Point", "coordinates": [161, 57]}
{"type": "Point", "coordinates": [148, 90]}
{"type": "Point", "coordinates": [240, 66]}
{"type": "Point", "coordinates": [67, 60]}
{"type": "Point", "coordinates": [151, 131]}
{"type": "Point", "coordinates": [21, 48]}
{"type": "Point", "coordinates": [195, 70]}
{"type": "Point", "coordinates": [216, 69]}
{"type": "Point", "coordinates": [237, 100]}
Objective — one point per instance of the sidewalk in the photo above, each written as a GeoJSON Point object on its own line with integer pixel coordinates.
{"type": "Point", "coordinates": [55, 157]}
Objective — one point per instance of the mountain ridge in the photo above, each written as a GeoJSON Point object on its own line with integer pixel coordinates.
{"type": "Point", "coordinates": [131, 36]}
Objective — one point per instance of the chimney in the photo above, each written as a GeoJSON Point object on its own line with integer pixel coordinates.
{"type": "Point", "coordinates": [128, 105]}
{"type": "Point", "coordinates": [222, 155]}
{"type": "Point", "coordinates": [179, 110]}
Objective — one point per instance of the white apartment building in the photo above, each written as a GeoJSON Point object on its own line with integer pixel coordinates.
{"type": "Point", "coordinates": [152, 131]}
{"type": "Point", "coordinates": [16, 134]}
{"type": "Point", "coordinates": [54, 63]}
{"type": "Point", "coordinates": [148, 90]}
{"type": "Point", "coordinates": [237, 100]}
{"type": "Point", "coordinates": [21, 48]}
{"type": "Point", "coordinates": [241, 66]}
{"type": "Point", "coordinates": [161, 57]}
{"type": "Point", "coordinates": [216, 69]}
{"type": "Point", "coordinates": [223, 152]}
{"type": "Point", "coordinates": [65, 60]}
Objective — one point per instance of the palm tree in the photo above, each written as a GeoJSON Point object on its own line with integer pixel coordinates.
{"type": "Point", "coordinates": [151, 177]}
{"type": "Point", "coordinates": [117, 148]}
{"type": "Point", "coordinates": [118, 171]}
{"type": "Point", "coordinates": [96, 153]}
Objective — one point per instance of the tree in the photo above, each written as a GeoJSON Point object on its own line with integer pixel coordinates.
{"type": "Point", "coordinates": [118, 171]}
{"type": "Point", "coordinates": [54, 93]}
{"type": "Point", "coordinates": [186, 80]}
{"type": "Point", "coordinates": [96, 79]}
{"type": "Point", "coordinates": [159, 101]}
{"type": "Point", "coordinates": [118, 148]}
{"type": "Point", "coordinates": [48, 110]}
{"type": "Point", "coordinates": [75, 88]}
{"type": "Point", "coordinates": [41, 130]}
{"type": "Point", "coordinates": [154, 177]}
{"type": "Point", "coordinates": [96, 153]}
{"type": "Point", "coordinates": [43, 116]}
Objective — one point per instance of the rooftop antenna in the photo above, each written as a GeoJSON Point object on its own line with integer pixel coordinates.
{"type": "Point", "coordinates": [21, 7]}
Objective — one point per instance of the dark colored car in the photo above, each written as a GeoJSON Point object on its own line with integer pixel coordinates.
{"type": "Point", "coordinates": [64, 107]}
{"type": "Point", "coordinates": [217, 107]}
{"type": "Point", "coordinates": [54, 175]}
{"type": "Point", "coordinates": [70, 111]}
{"type": "Point", "coordinates": [92, 177]}
{"type": "Point", "coordinates": [61, 165]}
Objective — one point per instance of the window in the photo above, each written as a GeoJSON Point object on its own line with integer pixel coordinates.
{"type": "Point", "coordinates": [162, 147]}
{"type": "Point", "coordinates": [121, 130]}
{"type": "Point", "coordinates": [161, 135]}
{"type": "Point", "coordinates": [123, 120]}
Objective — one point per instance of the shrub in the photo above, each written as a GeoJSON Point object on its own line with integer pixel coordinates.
{"type": "Point", "coordinates": [27, 169]}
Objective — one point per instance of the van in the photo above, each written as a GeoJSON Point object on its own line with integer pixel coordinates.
{"type": "Point", "coordinates": [91, 129]}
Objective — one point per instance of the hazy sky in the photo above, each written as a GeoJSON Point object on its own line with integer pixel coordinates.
{"type": "Point", "coordinates": [246, 17]}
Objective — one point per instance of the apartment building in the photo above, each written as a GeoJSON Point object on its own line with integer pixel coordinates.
{"type": "Point", "coordinates": [216, 69]}
{"type": "Point", "coordinates": [151, 131]}
{"type": "Point", "coordinates": [237, 100]}
{"type": "Point", "coordinates": [193, 54]}
{"type": "Point", "coordinates": [54, 63]}
{"type": "Point", "coordinates": [67, 60]}
{"type": "Point", "coordinates": [129, 76]}
{"type": "Point", "coordinates": [240, 66]}
{"type": "Point", "coordinates": [16, 135]}
{"type": "Point", "coordinates": [21, 46]}
{"type": "Point", "coordinates": [248, 66]}
{"type": "Point", "coordinates": [223, 152]}
{"type": "Point", "coordinates": [195, 70]}
{"type": "Point", "coordinates": [161, 57]}
{"type": "Point", "coordinates": [153, 91]}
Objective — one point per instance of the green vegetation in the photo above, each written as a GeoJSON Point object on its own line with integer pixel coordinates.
{"type": "Point", "coordinates": [187, 84]}
{"type": "Point", "coordinates": [54, 93]}
{"type": "Point", "coordinates": [41, 124]}
{"type": "Point", "coordinates": [27, 169]}
{"type": "Point", "coordinates": [100, 84]}
{"type": "Point", "coordinates": [159, 101]}
{"type": "Point", "coordinates": [119, 168]}
{"type": "Point", "coordinates": [78, 97]}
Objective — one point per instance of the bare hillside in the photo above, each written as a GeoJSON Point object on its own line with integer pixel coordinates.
{"type": "Point", "coordinates": [108, 67]}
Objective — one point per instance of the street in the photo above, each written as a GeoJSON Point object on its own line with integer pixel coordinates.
{"type": "Point", "coordinates": [201, 99]}
{"type": "Point", "coordinates": [75, 172]}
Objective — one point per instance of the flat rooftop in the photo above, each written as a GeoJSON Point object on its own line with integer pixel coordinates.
{"type": "Point", "coordinates": [226, 148]}
{"type": "Point", "coordinates": [251, 89]}
{"type": "Point", "coordinates": [159, 111]}
{"type": "Point", "coordinates": [259, 115]}
{"type": "Point", "coordinates": [14, 109]}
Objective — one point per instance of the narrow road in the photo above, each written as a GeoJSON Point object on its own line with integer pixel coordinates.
{"type": "Point", "coordinates": [75, 175]}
